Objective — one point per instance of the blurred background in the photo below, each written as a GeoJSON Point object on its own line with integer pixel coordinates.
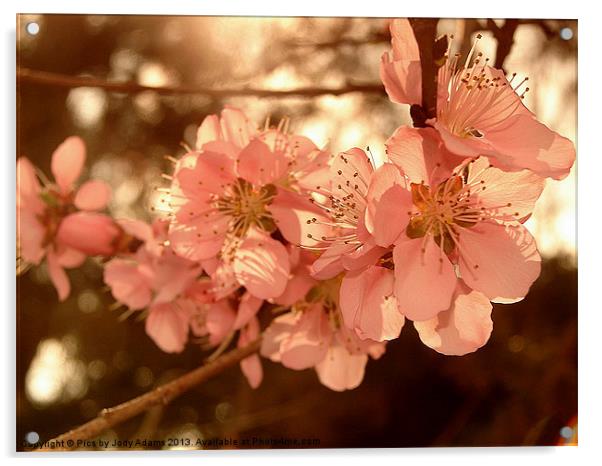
{"type": "Point", "coordinates": [76, 358]}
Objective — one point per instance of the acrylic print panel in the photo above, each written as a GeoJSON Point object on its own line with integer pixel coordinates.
{"type": "Point", "coordinates": [295, 232]}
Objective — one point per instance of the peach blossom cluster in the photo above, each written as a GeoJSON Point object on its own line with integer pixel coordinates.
{"type": "Point", "coordinates": [324, 256]}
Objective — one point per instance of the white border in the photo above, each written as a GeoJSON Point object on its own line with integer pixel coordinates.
{"type": "Point", "coordinates": [589, 214]}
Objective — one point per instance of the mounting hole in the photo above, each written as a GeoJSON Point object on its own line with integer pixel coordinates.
{"type": "Point", "coordinates": [32, 438]}
{"type": "Point", "coordinates": [32, 28]}
{"type": "Point", "coordinates": [566, 432]}
{"type": "Point", "coordinates": [566, 33]}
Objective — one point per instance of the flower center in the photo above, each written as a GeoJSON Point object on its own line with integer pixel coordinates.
{"type": "Point", "coordinates": [57, 207]}
{"type": "Point", "coordinates": [477, 96]}
{"type": "Point", "coordinates": [246, 205]}
{"type": "Point", "coordinates": [441, 211]}
{"type": "Point", "coordinates": [456, 203]}
{"type": "Point", "coordinates": [344, 204]}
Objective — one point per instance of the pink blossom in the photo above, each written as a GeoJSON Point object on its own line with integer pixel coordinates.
{"type": "Point", "coordinates": [167, 324]}
{"type": "Point", "coordinates": [213, 319]}
{"type": "Point", "coordinates": [312, 335]}
{"type": "Point", "coordinates": [361, 204]}
{"type": "Point", "coordinates": [300, 280]}
{"type": "Point", "coordinates": [251, 365]}
{"type": "Point", "coordinates": [58, 222]}
{"type": "Point", "coordinates": [479, 111]}
{"type": "Point", "coordinates": [344, 238]}
{"type": "Point", "coordinates": [230, 195]}
{"type": "Point", "coordinates": [463, 328]}
{"type": "Point", "coordinates": [156, 278]}
{"type": "Point", "coordinates": [218, 320]}
{"type": "Point", "coordinates": [92, 233]}
{"type": "Point", "coordinates": [368, 305]}
{"type": "Point", "coordinates": [400, 69]}
{"type": "Point", "coordinates": [462, 222]}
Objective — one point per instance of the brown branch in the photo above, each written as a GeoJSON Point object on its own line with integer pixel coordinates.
{"type": "Point", "coordinates": [161, 395]}
{"type": "Point", "coordinates": [425, 30]}
{"type": "Point", "coordinates": [62, 80]}
{"type": "Point", "coordinates": [505, 39]}
{"type": "Point", "coordinates": [375, 38]}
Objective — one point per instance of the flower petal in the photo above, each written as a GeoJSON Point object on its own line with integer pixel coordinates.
{"type": "Point", "coordinates": [236, 127]}
{"type": "Point", "coordinates": [92, 195]}
{"type": "Point", "coordinates": [259, 165]}
{"type": "Point", "coordinates": [211, 172]}
{"type": "Point", "coordinates": [293, 215]}
{"type": "Point", "coordinates": [70, 258]}
{"type": "Point", "coordinates": [219, 321]}
{"type": "Point", "coordinates": [461, 146]}
{"type": "Point", "coordinates": [167, 324]}
{"type": "Point", "coordinates": [403, 40]}
{"type": "Point", "coordinates": [368, 305]}
{"type": "Point", "coordinates": [402, 79]}
{"type": "Point", "coordinates": [28, 187]}
{"type": "Point", "coordinates": [524, 142]}
{"type": "Point", "coordinates": [308, 341]}
{"type": "Point", "coordinates": [400, 71]}
{"type": "Point", "coordinates": [224, 280]}
{"type": "Point", "coordinates": [251, 366]}
{"type": "Point", "coordinates": [353, 164]}
{"type": "Point", "coordinates": [210, 130]}
{"type": "Point", "coordinates": [137, 228]}
{"type": "Point", "coordinates": [296, 289]}
{"type": "Point", "coordinates": [91, 233]}
{"type": "Point", "coordinates": [30, 236]}
{"type": "Point", "coordinates": [362, 256]}
{"type": "Point", "coordinates": [340, 370]}
{"type": "Point", "coordinates": [462, 329]}
{"type": "Point", "coordinates": [186, 242]}
{"type": "Point", "coordinates": [500, 262]}
{"type": "Point", "coordinates": [424, 278]}
{"type": "Point", "coordinates": [128, 285]}
{"type": "Point", "coordinates": [330, 263]}
{"type": "Point", "coordinates": [171, 275]}
{"type": "Point", "coordinates": [247, 309]}
{"type": "Point", "coordinates": [421, 155]}
{"type": "Point", "coordinates": [58, 276]}
{"type": "Point", "coordinates": [388, 204]}
{"type": "Point", "coordinates": [509, 193]}
{"type": "Point", "coordinates": [67, 162]}
{"type": "Point", "coordinates": [277, 332]}
{"type": "Point", "coordinates": [261, 265]}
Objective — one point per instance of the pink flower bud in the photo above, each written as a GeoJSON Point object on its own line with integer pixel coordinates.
{"type": "Point", "coordinates": [91, 233]}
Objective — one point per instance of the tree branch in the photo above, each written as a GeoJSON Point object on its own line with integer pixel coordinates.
{"type": "Point", "coordinates": [375, 38]}
{"type": "Point", "coordinates": [505, 39]}
{"type": "Point", "coordinates": [425, 30]}
{"type": "Point", "coordinates": [161, 395]}
{"type": "Point", "coordinates": [62, 80]}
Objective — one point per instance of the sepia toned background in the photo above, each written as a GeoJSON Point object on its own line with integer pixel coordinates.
{"type": "Point", "coordinates": [78, 357]}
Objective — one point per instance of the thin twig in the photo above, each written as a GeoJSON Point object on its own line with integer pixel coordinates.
{"type": "Point", "coordinates": [161, 395]}
{"type": "Point", "coordinates": [375, 38]}
{"type": "Point", "coordinates": [62, 80]}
